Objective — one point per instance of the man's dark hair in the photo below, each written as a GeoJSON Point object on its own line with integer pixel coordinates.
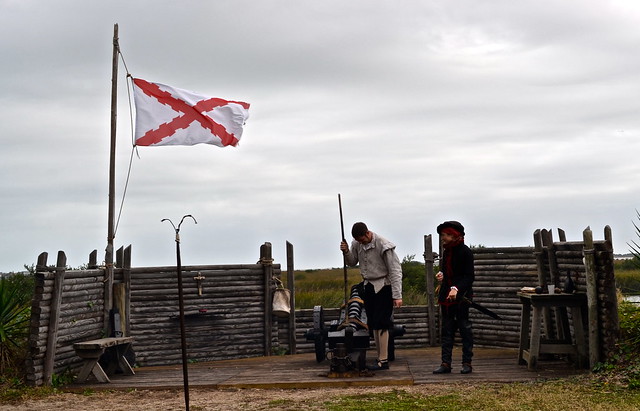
{"type": "Point", "coordinates": [359, 229]}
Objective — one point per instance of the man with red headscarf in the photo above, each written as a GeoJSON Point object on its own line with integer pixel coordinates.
{"type": "Point", "coordinates": [456, 279]}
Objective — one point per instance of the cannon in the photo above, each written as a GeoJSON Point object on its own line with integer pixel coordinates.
{"type": "Point", "coordinates": [348, 337]}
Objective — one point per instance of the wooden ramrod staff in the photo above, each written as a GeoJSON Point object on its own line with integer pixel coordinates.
{"type": "Point", "coordinates": [344, 258]}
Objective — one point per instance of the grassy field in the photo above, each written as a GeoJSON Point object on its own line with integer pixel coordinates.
{"type": "Point", "coordinates": [578, 394]}
{"type": "Point", "coordinates": [325, 287]}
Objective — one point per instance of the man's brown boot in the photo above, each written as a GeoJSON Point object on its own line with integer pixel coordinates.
{"type": "Point", "coordinates": [444, 368]}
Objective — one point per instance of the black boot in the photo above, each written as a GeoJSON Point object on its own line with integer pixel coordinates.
{"type": "Point", "coordinates": [444, 368]}
{"type": "Point", "coordinates": [466, 368]}
{"type": "Point", "coordinates": [379, 366]}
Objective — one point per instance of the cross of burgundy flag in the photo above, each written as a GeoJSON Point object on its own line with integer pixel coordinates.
{"type": "Point", "coordinates": [171, 116]}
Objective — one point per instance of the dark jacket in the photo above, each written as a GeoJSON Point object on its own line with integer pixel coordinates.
{"type": "Point", "coordinates": [462, 274]}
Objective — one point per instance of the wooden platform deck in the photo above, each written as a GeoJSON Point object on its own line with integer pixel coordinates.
{"type": "Point", "coordinates": [411, 366]}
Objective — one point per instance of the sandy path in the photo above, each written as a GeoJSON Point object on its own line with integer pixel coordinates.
{"type": "Point", "coordinates": [242, 399]}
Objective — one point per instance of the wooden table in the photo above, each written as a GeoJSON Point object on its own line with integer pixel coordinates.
{"type": "Point", "coordinates": [91, 351]}
{"type": "Point", "coordinates": [532, 344]}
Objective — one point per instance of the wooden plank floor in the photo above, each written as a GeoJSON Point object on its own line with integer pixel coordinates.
{"type": "Point", "coordinates": [412, 366]}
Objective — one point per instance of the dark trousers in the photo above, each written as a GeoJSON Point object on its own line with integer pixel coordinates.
{"type": "Point", "coordinates": [379, 307]}
{"type": "Point", "coordinates": [456, 317]}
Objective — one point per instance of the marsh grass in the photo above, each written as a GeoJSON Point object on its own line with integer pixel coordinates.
{"type": "Point", "coordinates": [627, 275]}
{"type": "Point", "coordinates": [628, 281]}
{"type": "Point", "coordinates": [325, 287]}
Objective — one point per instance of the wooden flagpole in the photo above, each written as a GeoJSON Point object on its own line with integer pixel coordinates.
{"type": "Point", "coordinates": [108, 286]}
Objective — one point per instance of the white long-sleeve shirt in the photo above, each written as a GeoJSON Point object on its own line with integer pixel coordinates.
{"type": "Point", "coordinates": [379, 264]}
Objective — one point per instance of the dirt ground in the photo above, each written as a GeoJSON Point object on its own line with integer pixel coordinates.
{"type": "Point", "coordinates": [212, 399]}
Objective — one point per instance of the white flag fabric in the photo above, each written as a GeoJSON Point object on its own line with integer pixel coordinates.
{"type": "Point", "coordinates": [171, 116]}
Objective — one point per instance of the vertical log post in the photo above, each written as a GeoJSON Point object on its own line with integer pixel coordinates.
{"type": "Point", "coordinates": [34, 377]}
{"type": "Point", "coordinates": [41, 264]}
{"type": "Point", "coordinates": [554, 274]}
{"type": "Point", "coordinates": [538, 238]}
{"type": "Point", "coordinates": [118, 304]}
{"type": "Point", "coordinates": [292, 301]}
{"type": "Point", "coordinates": [537, 243]}
{"type": "Point", "coordinates": [267, 267]}
{"type": "Point", "coordinates": [554, 281]}
{"type": "Point", "coordinates": [592, 297]}
{"type": "Point", "coordinates": [126, 279]}
{"type": "Point", "coordinates": [611, 330]}
{"type": "Point", "coordinates": [121, 298]}
{"type": "Point", "coordinates": [431, 301]}
{"type": "Point", "coordinates": [611, 281]}
{"type": "Point", "coordinates": [562, 237]}
{"type": "Point", "coordinates": [119, 257]}
{"type": "Point", "coordinates": [108, 290]}
{"type": "Point", "coordinates": [54, 317]}
{"type": "Point", "coordinates": [93, 260]}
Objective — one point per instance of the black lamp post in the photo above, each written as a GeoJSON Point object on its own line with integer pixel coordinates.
{"type": "Point", "coordinates": [183, 339]}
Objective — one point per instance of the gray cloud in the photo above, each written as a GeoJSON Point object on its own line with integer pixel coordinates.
{"type": "Point", "coordinates": [509, 117]}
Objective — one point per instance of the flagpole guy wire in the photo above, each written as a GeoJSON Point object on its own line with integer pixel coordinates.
{"type": "Point", "coordinates": [131, 130]}
{"type": "Point", "coordinates": [183, 339]}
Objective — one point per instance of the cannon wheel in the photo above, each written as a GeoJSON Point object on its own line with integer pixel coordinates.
{"type": "Point", "coordinates": [318, 326]}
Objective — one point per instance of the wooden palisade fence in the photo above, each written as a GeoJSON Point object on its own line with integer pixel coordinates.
{"type": "Point", "coordinates": [228, 307]}
{"type": "Point", "coordinates": [500, 273]}
{"type": "Point", "coordinates": [227, 311]}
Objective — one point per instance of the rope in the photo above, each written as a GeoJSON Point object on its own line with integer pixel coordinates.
{"type": "Point", "coordinates": [134, 147]}
{"type": "Point", "coordinates": [265, 261]}
{"type": "Point", "coordinates": [278, 282]}
{"type": "Point", "coordinates": [124, 192]}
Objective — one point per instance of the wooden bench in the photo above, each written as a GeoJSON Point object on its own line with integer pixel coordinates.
{"type": "Point", "coordinates": [91, 351]}
{"type": "Point", "coordinates": [532, 344]}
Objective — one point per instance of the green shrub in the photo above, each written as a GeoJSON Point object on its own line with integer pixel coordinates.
{"type": "Point", "coordinates": [629, 344]}
{"type": "Point", "coordinates": [413, 275]}
{"type": "Point", "coordinates": [629, 319]}
{"type": "Point", "coordinates": [623, 367]}
{"type": "Point", "coordinates": [16, 292]}
{"type": "Point", "coordinates": [65, 378]}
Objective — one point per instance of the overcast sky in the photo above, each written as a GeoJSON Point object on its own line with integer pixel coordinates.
{"type": "Point", "coordinates": [507, 116]}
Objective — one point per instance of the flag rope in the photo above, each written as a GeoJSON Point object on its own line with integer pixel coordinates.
{"type": "Point", "coordinates": [133, 148]}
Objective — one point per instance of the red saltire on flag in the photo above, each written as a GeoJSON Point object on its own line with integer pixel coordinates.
{"type": "Point", "coordinates": [171, 116]}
